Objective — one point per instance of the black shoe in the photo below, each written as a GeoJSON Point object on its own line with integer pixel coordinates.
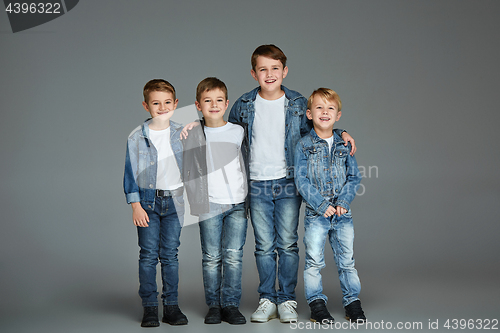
{"type": "Point", "coordinates": [233, 316]}
{"type": "Point", "coordinates": [150, 317]}
{"type": "Point", "coordinates": [173, 315]}
{"type": "Point", "coordinates": [213, 316]}
{"type": "Point", "coordinates": [354, 312]}
{"type": "Point", "coordinates": [319, 312]}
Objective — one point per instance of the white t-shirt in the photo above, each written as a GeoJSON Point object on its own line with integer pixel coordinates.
{"type": "Point", "coordinates": [267, 154]}
{"type": "Point", "coordinates": [330, 143]}
{"type": "Point", "coordinates": [226, 171]}
{"type": "Point", "coordinates": [168, 176]}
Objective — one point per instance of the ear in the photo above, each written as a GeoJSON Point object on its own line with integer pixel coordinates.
{"type": "Point", "coordinates": [254, 75]}
{"type": "Point", "coordinates": [285, 71]}
{"type": "Point", "coordinates": [198, 106]}
{"type": "Point", "coordinates": [145, 106]}
{"type": "Point", "coordinates": [309, 114]}
{"type": "Point", "coordinates": [175, 103]}
{"type": "Point", "coordinates": [227, 103]}
{"type": "Point", "coordinates": [339, 113]}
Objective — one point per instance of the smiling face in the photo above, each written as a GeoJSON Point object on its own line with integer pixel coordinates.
{"type": "Point", "coordinates": [213, 105]}
{"type": "Point", "coordinates": [161, 104]}
{"type": "Point", "coordinates": [323, 113]}
{"type": "Point", "coordinates": [270, 74]}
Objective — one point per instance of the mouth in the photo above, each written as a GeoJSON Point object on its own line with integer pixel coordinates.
{"type": "Point", "coordinates": [270, 81]}
{"type": "Point", "coordinates": [214, 111]}
{"type": "Point", "coordinates": [162, 112]}
{"type": "Point", "coordinates": [324, 119]}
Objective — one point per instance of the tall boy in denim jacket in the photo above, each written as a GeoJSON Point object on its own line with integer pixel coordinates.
{"type": "Point", "coordinates": [153, 187]}
{"type": "Point", "coordinates": [276, 121]}
{"type": "Point", "coordinates": [327, 177]}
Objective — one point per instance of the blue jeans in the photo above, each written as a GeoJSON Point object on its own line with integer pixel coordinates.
{"type": "Point", "coordinates": [223, 233]}
{"type": "Point", "coordinates": [340, 233]}
{"type": "Point", "coordinates": [274, 210]}
{"type": "Point", "coordinates": [160, 240]}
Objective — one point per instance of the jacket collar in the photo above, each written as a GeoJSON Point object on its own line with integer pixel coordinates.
{"type": "Point", "coordinates": [173, 127]}
{"type": "Point", "coordinates": [252, 95]}
{"type": "Point", "coordinates": [315, 138]}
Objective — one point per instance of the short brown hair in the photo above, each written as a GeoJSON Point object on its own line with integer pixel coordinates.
{"type": "Point", "coordinates": [157, 85]}
{"type": "Point", "coordinates": [210, 83]}
{"type": "Point", "coordinates": [327, 95]}
{"type": "Point", "coordinates": [270, 51]}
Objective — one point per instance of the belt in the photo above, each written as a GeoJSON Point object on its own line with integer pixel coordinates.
{"type": "Point", "coordinates": [170, 193]}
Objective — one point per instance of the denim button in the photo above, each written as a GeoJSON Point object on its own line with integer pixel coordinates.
{"type": "Point", "coordinates": [152, 163]}
{"type": "Point", "coordinates": [149, 206]}
{"type": "Point", "coordinates": [150, 185]}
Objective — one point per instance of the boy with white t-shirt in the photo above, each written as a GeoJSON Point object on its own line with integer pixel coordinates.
{"type": "Point", "coordinates": [215, 155]}
{"type": "Point", "coordinates": [153, 187]}
{"type": "Point", "coordinates": [276, 118]}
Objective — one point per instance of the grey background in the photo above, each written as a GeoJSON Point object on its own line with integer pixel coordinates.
{"type": "Point", "coordinates": [418, 82]}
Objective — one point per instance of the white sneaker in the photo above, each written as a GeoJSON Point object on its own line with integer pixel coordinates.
{"type": "Point", "coordinates": [265, 312]}
{"type": "Point", "coordinates": [287, 312]}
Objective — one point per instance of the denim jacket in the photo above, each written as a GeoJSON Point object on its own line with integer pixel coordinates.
{"type": "Point", "coordinates": [195, 169]}
{"type": "Point", "coordinates": [296, 122]}
{"type": "Point", "coordinates": [139, 180]}
{"type": "Point", "coordinates": [324, 178]}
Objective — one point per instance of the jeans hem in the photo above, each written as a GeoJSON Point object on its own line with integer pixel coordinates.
{"type": "Point", "coordinates": [353, 299]}
{"type": "Point", "coordinates": [270, 299]}
{"type": "Point", "coordinates": [325, 299]}
{"type": "Point", "coordinates": [230, 304]}
{"type": "Point", "coordinates": [146, 304]}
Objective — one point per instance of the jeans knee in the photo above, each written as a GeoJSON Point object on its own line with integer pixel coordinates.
{"type": "Point", "coordinates": [233, 256]}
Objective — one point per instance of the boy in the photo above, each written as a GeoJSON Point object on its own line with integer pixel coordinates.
{"type": "Point", "coordinates": [153, 187]}
{"type": "Point", "coordinates": [327, 177]}
{"type": "Point", "coordinates": [219, 166]}
{"type": "Point", "coordinates": [276, 121]}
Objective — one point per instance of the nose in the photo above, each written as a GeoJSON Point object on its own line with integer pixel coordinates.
{"type": "Point", "coordinates": [214, 103]}
{"type": "Point", "coordinates": [163, 106]}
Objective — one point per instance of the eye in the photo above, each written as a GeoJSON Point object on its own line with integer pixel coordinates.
{"type": "Point", "coordinates": [169, 102]}
{"type": "Point", "coordinates": [220, 100]}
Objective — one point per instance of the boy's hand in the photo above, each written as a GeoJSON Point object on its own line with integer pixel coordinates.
{"type": "Point", "coordinates": [347, 138]}
{"type": "Point", "coordinates": [139, 215]}
{"type": "Point", "coordinates": [330, 211]}
{"type": "Point", "coordinates": [188, 127]}
{"type": "Point", "coordinates": [341, 210]}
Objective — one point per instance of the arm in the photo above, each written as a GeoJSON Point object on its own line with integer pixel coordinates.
{"type": "Point", "coordinates": [308, 191]}
{"type": "Point", "coordinates": [188, 127]}
{"type": "Point", "coordinates": [353, 178]}
{"type": "Point", "coordinates": [139, 215]}
{"type": "Point", "coordinates": [305, 124]}
{"type": "Point", "coordinates": [347, 139]}
{"type": "Point", "coordinates": [130, 186]}
{"type": "Point", "coordinates": [234, 114]}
